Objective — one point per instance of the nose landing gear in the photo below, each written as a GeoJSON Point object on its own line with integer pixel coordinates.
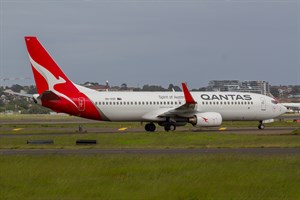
{"type": "Point", "coordinates": [261, 126]}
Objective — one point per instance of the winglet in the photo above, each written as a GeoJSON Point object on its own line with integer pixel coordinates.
{"type": "Point", "coordinates": [187, 95]}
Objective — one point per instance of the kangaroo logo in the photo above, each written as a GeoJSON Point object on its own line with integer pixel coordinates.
{"type": "Point", "coordinates": [51, 79]}
{"type": "Point", "coordinates": [205, 119]}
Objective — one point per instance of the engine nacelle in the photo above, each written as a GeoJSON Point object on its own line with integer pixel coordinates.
{"type": "Point", "coordinates": [206, 119]}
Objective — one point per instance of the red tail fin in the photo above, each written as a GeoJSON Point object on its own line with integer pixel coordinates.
{"type": "Point", "coordinates": [47, 73]}
{"type": "Point", "coordinates": [56, 91]}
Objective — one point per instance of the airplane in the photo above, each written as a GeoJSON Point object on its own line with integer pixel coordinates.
{"type": "Point", "coordinates": [292, 107]}
{"type": "Point", "coordinates": [168, 109]}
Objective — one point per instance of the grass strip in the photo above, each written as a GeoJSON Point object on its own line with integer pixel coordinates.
{"type": "Point", "coordinates": [166, 177]}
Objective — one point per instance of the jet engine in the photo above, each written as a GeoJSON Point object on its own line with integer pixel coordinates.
{"type": "Point", "coordinates": [206, 119]}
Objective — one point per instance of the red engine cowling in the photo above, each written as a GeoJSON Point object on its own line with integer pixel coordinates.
{"type": "Point", "coordinates": [206, 119]}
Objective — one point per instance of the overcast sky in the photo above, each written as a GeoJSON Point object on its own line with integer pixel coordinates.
{"type": "Point", "coordinates": [156, 42]}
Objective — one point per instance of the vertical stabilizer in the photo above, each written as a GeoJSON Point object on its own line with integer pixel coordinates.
{"type": "Point", "coordinates": [47, 73]}
{"type": "Point", "coordinates": [55, 90]}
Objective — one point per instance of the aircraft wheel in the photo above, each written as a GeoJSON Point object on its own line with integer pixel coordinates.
{"type": "Point", "coordinates": [150, 127]}
{"type": "Point", "coordinates": [261, 126]}
{"type": "Point", "coordinates": [170, 127]}
{"type": "Point", "coordinates": [167, 127]}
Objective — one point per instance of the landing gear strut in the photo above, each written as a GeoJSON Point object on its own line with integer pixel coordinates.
{"type": "Point", "coordinates": [169, 125]}
{"type": "Point", "coordinates": [150, 127]}
{"type": "Point", "coordinates": [261, 126]}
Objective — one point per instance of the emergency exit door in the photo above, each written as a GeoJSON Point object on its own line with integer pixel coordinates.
{"type": "Point", "coordinates": [263, 104]}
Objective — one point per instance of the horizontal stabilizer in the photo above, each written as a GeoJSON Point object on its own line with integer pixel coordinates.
{"type": "Point", "coordinates": [18, 94]}
{"type": "Point", "coordinates": [49, 96]}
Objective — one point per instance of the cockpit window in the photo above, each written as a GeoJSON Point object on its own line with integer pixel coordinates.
{"type": "Point", "coordinates": [274, 101]}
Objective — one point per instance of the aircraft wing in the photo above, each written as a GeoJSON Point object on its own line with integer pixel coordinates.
{"type": "Point", "coordinates": [186, 110]}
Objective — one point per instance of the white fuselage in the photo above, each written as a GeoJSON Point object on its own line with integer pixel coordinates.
{"type": "Point", "coordinates": [168, 109]}
{"type": "Point", "coordinates": [144, 106]}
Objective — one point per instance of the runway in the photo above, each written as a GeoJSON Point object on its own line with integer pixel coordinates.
{"type": "Point", "coordinates": [200, 151]}
{"type": "Point", "coordinates": [50, 131]}
{"type": "Point", "coordinates": [110, 130]}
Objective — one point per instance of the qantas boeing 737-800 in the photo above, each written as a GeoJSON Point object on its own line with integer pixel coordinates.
{"type": "Point", "coordinates": [167, 109]}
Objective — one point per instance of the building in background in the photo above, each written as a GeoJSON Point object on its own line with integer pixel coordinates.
{"type": "Point", "coordinates": [260, 87]}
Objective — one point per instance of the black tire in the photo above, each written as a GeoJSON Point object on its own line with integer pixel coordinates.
{"type": "Point", "coordinates": [150, 127]}
{"type": "Point", "coordinates": [172, 127]}
{"type": "Point", "coordinates": [167, 128]}
{"type": "Point", "coordinates": [261, 126]}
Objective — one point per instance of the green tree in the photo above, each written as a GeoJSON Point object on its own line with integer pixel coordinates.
{"type": "Point", "coordinates": [16, 88]}
{"type": "Point", "coordinates": [174, 87]}
{"type": "Point", "coordinates": [153, 88]}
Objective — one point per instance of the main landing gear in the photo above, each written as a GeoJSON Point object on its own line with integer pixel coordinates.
{"type": "Point", "coordinates": [150, 127]}
{"type": "Point", "coordinates": [170, 127]}
{"type": "Point", "coordinates": [261, 126]}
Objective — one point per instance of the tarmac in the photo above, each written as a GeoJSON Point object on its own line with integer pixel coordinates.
{"type": "Point", "coordinates": [199, 151]}
{"type": "Point", "coordinates": [113, 130]}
